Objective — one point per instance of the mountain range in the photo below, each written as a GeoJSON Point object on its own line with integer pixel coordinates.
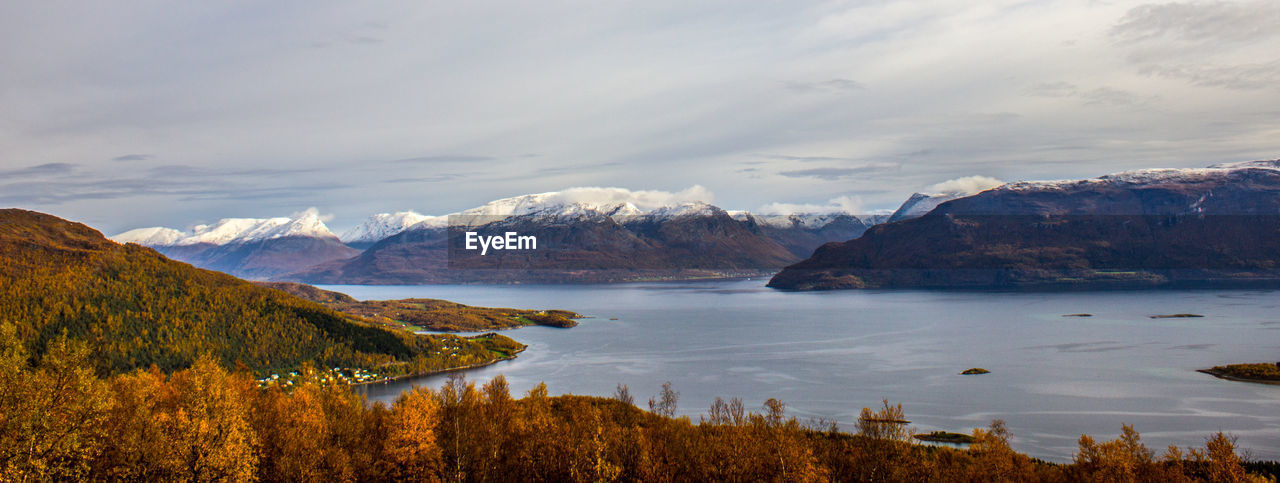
{"type": "Point", "coordinates": [253, 248]}
{"type": "Point", "coordinates": [615, 237]}
{"type": "Point", "coordinates": [586, 242]}
{"type": "Point", "coordinates": [1156, 227]}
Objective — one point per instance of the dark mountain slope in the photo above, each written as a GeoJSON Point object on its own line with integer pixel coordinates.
{"type": "Point", "coordinates": [801, 239]}
{"type": "Point", "coordinates": [1145, 228]}
{"type": "Point", "coordinates": [583, 248]}
{"type": "Point", "coordinates": [262, 259]}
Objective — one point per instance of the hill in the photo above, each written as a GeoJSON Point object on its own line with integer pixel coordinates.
{"type": "Point", "coordinates": [134, 308]}
{"type": "Point", "coordinates": [1148, 228]}
{"type": "Point", "coordinates": [429, 314]}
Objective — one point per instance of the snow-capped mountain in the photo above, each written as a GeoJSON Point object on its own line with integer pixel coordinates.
{"type": "Point", "coordinates": [920, 203]}
{"type": "Point", "coordinates": [231, 231]}
{"type": "Point", "coordinates": [556, 211]}
{"type": "Point", "coordinates": [247, 247]}
{"type": "Point", "coordinates": [592, 240]}
{"type": "Point", "coordinates": [1140, 177]}
{"type": "Point", "coordinates": [923, 202]}
{"type": "Point", "coordinates": [598, 227]}
{"type": "Point", "coordinates": [801, 233]}
{"type": "Point", "coordinates": [562, 205]}
{"type": "Point", "coordinates": [383, 225]}
{"type": "Point", "coordinates": [689, 208]}
{"type": "Point", "coordinates": [576, 242]}
{"type": "Point", "coordinates": [616, 203]}
{"type": "Point", "coordinates": [810, 221]}
{"type": "Point", "coordinates": [602, 200]}
{"type": "Point", "coordinates": [154, 236]}
{"type": "Point", "coordinates": [1205, 227]}
{"type": "Point", "coordinates": [619, 204]}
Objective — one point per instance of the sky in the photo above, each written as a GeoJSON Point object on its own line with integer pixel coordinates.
{"type": "Point", "coordinates": [143, 113]}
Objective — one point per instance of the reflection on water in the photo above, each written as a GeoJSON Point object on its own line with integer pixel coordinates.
{"type": "Point", "coordinates": [827, 355]}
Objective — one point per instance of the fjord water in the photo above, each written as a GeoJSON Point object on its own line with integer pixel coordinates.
{"type": "Point", "coordinates": [829, 354]}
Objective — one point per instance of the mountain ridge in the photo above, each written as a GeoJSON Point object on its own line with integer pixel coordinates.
{"type": "Point", "coordinates": [252, 248]}
{"type": "Point", "coordinates": [1139, 228]}
{"type": "Point", "coordinates": [135, 308]}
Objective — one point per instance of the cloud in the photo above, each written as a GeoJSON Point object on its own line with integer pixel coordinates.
{"type": "Point", "coordinates": [55, 192]}
{"type": "Point", "coordinates": [966, 186]}
{"type": "Point", "coordinates": [1098, 96]}
{"type": "Point", "coordinates": [425, 179]}
{"type": "Point", "coordinates": [310, 212]}
{"type": "Point", "coordinates": [59, 183]}
{"type": "Point", "coordinates": [1244, 77]}
{"type": "Point", "coordinates": [828, 86]}
{"type": "Point", "coordinates": [804, 158]}
{"type": "Point", "coordinates": [445, 158]}
{"type": "Point", "coordinates": [133, 157]}
{"type": "Point", "coordinates": [833, 174]}
{"type": "Point", "coordinates": [668, 95]}
{"type": "Point", "coordinates": [643, 199]}
{"type": "Point", "coordinates": [269, 193]}
{"type": "Point", "coordinates": [1227, 45]}
{"type": "Point", "coordinates": [47, 169]}
{"type": "Point", "coordinates": [1247, 21]}
{"type": "Point", "coordinates": [841, 204]}
{"type": "Point", "coordinates": [183, 171]}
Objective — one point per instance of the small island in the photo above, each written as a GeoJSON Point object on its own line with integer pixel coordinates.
{"type": "Point", "coordinates": [429, 314]}
{"type": "Point", "coordinates": [945, 437]}
{"type": "Point", "coordinates": [1078, 315]}
{"type": "Point", "coordinates": [1262, 373]}
{"type": "Point", "coordinates": [974, 371]}
{"type": "Point", "coordinates": [1176, 316]}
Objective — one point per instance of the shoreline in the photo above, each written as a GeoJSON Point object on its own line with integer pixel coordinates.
{"type": "Point", "coordinates": [728, 276]}
{"type": "Point", "coordinates": [1222, 375]}
{"type": "Point", "coordinates": [442, 371]}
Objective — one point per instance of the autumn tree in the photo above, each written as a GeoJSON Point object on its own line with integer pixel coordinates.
{"type": "Point", "coordinates": [1222, 463]}
{"type": "Point", "coordinates": [666, 403]}
{"type": "Point", "coordinates": [889, 423]}
{"type": "Point", "coordinates": [411, 445]}
{"type": "Point", "coordinates": [205, 416]}
{"type": "Point", "coordinates": [1122, 459]}
{"type": "Point", "coordinates": [50, 415]}
{"type": "Point", "coordinates": [314, 430]}
{"type": "Point", "coordinates": [623, 394]}
{"type": "Point", "coordinates": [492, 426]}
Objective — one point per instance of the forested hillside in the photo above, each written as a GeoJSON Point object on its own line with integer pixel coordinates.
{"type": "Point", "coordinates": [59, 422]}
{"type": "Point", "coordinates": [428, 314]}
{"type": "Point", "coordinates": [134, 308]}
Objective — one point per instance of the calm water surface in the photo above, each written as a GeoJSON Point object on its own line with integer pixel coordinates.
{"type": "Point", "coordinates": [829, 354]}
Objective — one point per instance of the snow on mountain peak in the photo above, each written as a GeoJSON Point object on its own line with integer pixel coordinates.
{"type": "Point", "coordinates": [577, 202]}
{"type": "Point", "coordinates": [1148, 176]}
{"type": "Point", "coordinates": [154, 236]}
{"type": "Point", "coordinates": [923, 202]}
{"type": "Point", "coordinates": [1265, 164]}
{"type": "Point", "coordinates": [604, 200]}
{"type": "Point", "coordinates": [689, 208]}
{"type": "Point", "coordinates": [383, 225]}
{"type": "Point", "coordinates": [308, 223]}
{"type": "Point", "coordinates": [234, 230]}
{"type": "Point", "coordinates": [228, 230]}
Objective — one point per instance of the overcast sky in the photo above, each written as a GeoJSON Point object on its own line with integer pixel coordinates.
{"type": "Point", "coordinates": [127, 114]}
